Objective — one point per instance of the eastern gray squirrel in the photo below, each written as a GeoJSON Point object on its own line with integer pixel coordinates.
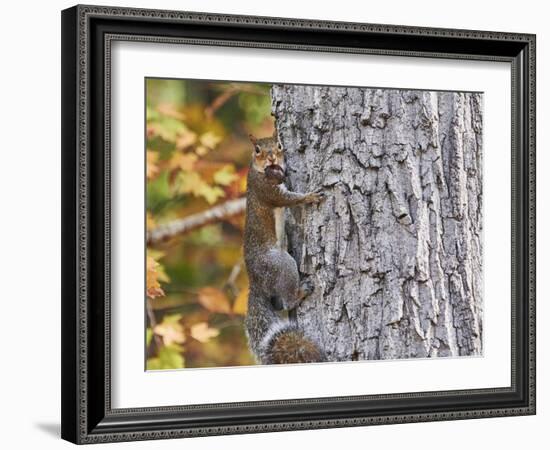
{"type": "Point", "coordinates": [272, 272]}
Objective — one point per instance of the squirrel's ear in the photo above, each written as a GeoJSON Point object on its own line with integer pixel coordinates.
{"type": "Point", "coordinates": [275, 135]}
{"type": "Point", "coordinates": [252, 138]}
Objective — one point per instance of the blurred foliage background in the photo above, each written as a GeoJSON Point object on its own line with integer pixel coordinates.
{"type": "Point", "coordinates": [197, 161]}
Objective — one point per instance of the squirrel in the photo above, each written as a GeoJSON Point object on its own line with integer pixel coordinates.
{"type": "Point", "coordinates": [272, 272]}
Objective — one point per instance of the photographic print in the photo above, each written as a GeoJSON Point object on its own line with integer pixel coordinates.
{"type": "Point", "coordinates": [299, 223]}
{"type": "Point", "coordinates": [367, 216]}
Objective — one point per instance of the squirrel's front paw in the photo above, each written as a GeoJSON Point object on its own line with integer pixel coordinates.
{"type": "Point", "coordinates": [315, 196]}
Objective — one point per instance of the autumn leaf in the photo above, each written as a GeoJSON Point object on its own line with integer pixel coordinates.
{"type": "Point", "coordinates": [156, 255]}
{"type": "Point", "coordinates": [210, 139]}
{"type": "Point", "coordinates": [152, 167]}
{"type": "Point", "coordinates": [210, 193]}
{"type": "Point", "coordinates": [185, 139]}
{"type": "Point", "coordinates": [183, 161]}
{"type": "Point", "coordinates": [192, 183]}
{"type": "Point", "coordinates": [203, 333]}
{"type": "Point", "coordinates": [214, 300]}
{"type": "Point", "coordinates": [171, 330]}
{"type": "Point", "coordinates": [240, 306]}
{"type": "Point", "coordinates": [188, 182]}
{"type": "Point", "coordinates": [153, 286]}
{"type": "Point", "coordinates": [225, 176]}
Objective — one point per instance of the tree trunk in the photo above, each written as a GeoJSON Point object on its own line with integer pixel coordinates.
{"type": "Point", "coordinates": [395, 249]}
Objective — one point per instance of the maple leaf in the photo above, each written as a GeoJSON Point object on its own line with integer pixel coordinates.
{"type": "Point", "coordinates": [153, 286]}
{"type": "Point", "coordinates": [171, 330]}
{"type": "Point", "coordinates": [214, 300]}
{"type": "Point", "coordinates": [183, 161]}
{"type": "Point", "coordinates": [225, 176]}
{"type": "Point", "coordinates": [152, 166]}
{"type": "Point", "coordinates": [185, 139]}
{"type": "Point", "coordinates": [156, 255]}
{"type": "Point", "coordinates": [210, 139]}
{"type": "Point", "coordinates": [203, 333]}
{"type": "Point", "coordinates": [193, 183]}
{"type": "Point", "coordinates": [210, 193]}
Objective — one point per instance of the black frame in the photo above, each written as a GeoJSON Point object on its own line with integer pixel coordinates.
{"type": "Point", "coordinates": [87, 33]}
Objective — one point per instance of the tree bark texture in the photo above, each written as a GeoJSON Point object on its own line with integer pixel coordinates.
{"type": "Point", "coordinates": [395, 249]}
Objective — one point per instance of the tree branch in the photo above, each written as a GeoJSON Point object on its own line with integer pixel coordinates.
{"type": "Point", "coordinates": [186, 224]}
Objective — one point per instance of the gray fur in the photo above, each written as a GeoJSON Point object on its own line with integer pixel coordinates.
{"type": "Point", "coordinates": [272, 272]}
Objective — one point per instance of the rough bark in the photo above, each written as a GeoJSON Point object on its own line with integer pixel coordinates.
{"type": "Point", "coordinates": [395, 250]}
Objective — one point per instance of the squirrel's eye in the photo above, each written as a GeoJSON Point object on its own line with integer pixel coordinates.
{"type": "Point", "coordinates": [257, 149]}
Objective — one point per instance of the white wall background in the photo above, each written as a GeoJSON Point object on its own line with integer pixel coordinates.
{"type": "Point", "coordinates": [30, 223]}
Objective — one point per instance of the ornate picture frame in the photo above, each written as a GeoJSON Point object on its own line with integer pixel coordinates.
{"type": "Point", "coordinates": [88, 33]}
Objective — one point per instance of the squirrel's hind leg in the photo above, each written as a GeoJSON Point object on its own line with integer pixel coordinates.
{"type": "Point", "coordinates": [286, 280]}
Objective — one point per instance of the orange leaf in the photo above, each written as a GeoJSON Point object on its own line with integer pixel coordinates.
{"type": "Point", "coordinates": [152, 167]}
{"type": "Point", "coordinates": [185, 139]}
{"type": "Point", "coordinates": [240, 306]}
{"type": "Point", "coordinates": [183, 161]}
{"type": "Point", "coordinates": [153, 286]}
{"type": "Point", "coordinates": [214, 300]}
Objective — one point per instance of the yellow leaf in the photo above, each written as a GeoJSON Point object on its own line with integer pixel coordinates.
{"type": "Point", "coordinates": [153, 286]}
{"type": "Point", "coordinates": [210, 193]}
{"type": "Point", "coordinates": [188, 182]}
{"type": "Point", "coordinates": [192, 183]}
{"type": "Point", "coordinates": [203, 333]}
{"type": "Point", "coordinates": [152, 167]}
{"type": "Point", "coordinates": [171, 330]}
{"type": "Point", "coordinates": [225, 176]}
{"type": "Point", "coordinates": [185, 139]}
{"type": "Point", "coordinates": [214, 300]}
{"type": "Point", "coordinates": [210, 139]}
{"type": "Point", "coordinates": [183, 161]}
{"type": "Point", "coordinates": [240, 306]}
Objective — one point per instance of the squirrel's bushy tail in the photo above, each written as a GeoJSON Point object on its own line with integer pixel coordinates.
{"type": "Point", "coordinates": [285, 343]}
{"type": "Point", "coordinates": [275, 340]}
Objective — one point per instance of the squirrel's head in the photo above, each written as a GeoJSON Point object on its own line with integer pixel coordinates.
{"type": "Point", "coordinates": [268, 157]}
